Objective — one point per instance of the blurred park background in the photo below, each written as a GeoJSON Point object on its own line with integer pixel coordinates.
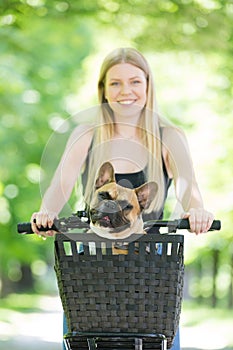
{"type": "Point", "coordinates": [50, 52]}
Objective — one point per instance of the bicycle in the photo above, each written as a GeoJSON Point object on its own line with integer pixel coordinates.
{"type": "Point", "coordinates": [125, 301]}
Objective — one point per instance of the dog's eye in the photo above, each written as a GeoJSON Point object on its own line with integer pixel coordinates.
{"type": "Point", "coordinates": [125, 205]}
{"type": "Point", "coordinates": [128, 207]}
{"type": "Point", "coordinates": [104, 195]}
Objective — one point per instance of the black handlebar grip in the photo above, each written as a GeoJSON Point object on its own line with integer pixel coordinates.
{"type": "Point", "coordinates": [184, 224]}
{"type": "Point", "coordinates": [26, 227]}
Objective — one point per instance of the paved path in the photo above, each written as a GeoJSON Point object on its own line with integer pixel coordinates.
{"type": "Point", "coordinates": [39, 330]}
{"type": "Point", "coordinates": [42, 330]}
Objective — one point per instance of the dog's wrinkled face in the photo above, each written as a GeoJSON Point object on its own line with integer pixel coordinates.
{"type": "Point", "coordinates": [115, 211]}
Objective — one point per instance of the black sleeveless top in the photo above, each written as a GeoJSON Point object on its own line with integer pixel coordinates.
{"type": "Point", "coordinates": [134, 180]}
{"type": "Point", "coordinates": [131, 180]}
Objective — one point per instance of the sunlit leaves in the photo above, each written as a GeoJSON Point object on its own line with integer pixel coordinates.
{"type": "Point", "coordinates": [42, 81]}
{"type": "Point", "coordinates": [40, 64]}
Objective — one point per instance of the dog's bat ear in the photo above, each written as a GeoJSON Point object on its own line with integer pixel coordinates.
{"type": "Point", "coordinates": [146, 193]}
{"type": "Point", "coordinates": [105, 175]}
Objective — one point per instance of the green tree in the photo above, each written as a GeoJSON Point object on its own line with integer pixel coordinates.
{"type": "Point", "coordinates": [41, 64]}
{"type": "Point", "coordinates": [43, 48]}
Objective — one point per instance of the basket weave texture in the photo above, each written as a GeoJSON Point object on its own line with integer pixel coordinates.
{"type": "Point", "coordinates": [140, 291]}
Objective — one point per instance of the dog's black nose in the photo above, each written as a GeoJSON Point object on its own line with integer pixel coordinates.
{"type": "Point", "coordinates": [110, 206]}
{"type": "Point", "coordinates": [106, 207]}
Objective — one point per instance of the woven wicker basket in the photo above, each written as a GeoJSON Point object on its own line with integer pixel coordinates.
{"type": "Point", "coordinates": [137, 292]}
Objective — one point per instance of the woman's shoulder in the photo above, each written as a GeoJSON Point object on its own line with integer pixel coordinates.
{"type": "Point", "coordinates": [174, 142]}
{"type": "Point", "coordinates": [84, 129]}
{"type": "Point", "coordinates": [170, 134]}
{"type": "Point", "coordinates": [82, 133]}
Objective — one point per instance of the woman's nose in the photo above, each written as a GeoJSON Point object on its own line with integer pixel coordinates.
{"type": "Point", "coordinates": [125, 89]}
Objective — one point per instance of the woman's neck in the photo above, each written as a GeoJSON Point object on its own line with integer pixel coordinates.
{"type": "Point", "coordinates": [126, 131]}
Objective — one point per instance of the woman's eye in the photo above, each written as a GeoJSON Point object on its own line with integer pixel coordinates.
{"type": "Point", "coordinates": [114, 83]}
{"type": "Point", "coordinates": [136, 82]}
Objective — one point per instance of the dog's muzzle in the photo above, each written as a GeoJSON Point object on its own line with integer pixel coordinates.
{"type": "Point", "coordinates": [108, 213]}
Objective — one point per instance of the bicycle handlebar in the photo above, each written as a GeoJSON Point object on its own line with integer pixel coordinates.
{"type": "Point", "coordinates": [179, 224]}
{"type": "Point", "coordinates": [74, 221]}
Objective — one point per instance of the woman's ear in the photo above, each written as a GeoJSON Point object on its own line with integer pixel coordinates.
{"type": "Point", "coordinates": [105, 95]}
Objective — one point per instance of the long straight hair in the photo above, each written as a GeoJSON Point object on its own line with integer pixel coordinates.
{"type": "Point", "coordinates": [149, 125]}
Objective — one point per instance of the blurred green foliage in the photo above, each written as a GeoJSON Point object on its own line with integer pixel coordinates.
{"type": "Point", "coordinates": [41, 61]}
{"type": "Point", "coordinates": [46, 50]}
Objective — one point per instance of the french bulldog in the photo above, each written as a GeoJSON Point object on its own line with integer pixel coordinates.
{"type": "Point", "coordinates": [116, 211]}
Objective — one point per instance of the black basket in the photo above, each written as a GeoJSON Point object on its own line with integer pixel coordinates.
{"type": "Point", "coordinates": [137, 292]}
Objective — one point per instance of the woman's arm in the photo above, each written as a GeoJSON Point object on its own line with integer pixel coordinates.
{"type": "Point", "coordinates": [180, 167]}
{"type": "Point", "coordinates": [62, 184]}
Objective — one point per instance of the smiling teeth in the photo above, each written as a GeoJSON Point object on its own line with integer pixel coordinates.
{"type": "Point", "coordinates": [126, 102]}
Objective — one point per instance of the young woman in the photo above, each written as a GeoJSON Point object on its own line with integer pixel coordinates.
{"type": "Point", "coordinates": [130, 134]}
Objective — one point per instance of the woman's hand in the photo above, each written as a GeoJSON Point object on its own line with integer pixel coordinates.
{"type": "Point", "coordinates": [200, 220]}
{"type": "Point", "coordinates": [43, 219]}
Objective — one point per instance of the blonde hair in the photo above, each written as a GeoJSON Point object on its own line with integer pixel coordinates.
{"type": "Point", "coordinates": [148, 127]}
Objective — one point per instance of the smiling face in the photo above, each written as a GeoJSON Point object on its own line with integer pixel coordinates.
{"type": "Point", "coordinates": [126, 89]}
